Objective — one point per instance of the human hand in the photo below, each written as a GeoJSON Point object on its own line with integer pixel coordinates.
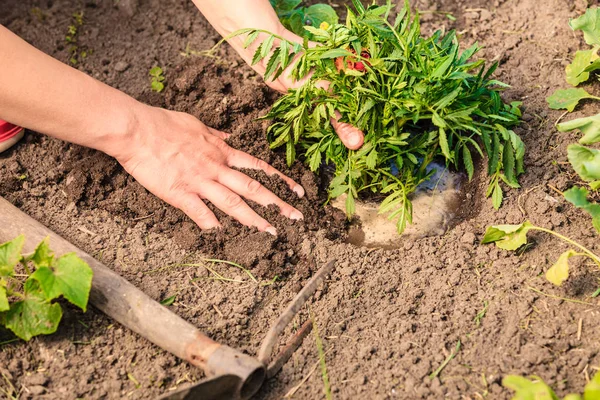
{"type": "Point", "coordinates": [352, 137]}
{"type": "Point", "coordinates": [183, 161]}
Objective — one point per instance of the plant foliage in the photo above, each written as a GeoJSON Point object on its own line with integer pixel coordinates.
{"type": "Point", "coordinates": [415, 98]}
{"type": "Point", "coordinates": [27, 308]}
{"type": "Point", "coordinates": [157, 79]}
{"type": "Point", "coordinates": [295, 18]}
{"type": "Point", "coordinates": [512, 237]}
{"type": "Point", "coordinates": [537, 389]}
{"type": "Point", "coordinates": [584, 159]}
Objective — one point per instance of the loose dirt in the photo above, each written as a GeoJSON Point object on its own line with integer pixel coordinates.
{"type": "Point", "coordinates": [388, 318]}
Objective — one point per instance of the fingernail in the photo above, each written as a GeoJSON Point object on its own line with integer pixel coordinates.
{"type": "Point", "coordinates": [299, 190]}
{"type": "Point", "coordinates": [296, 215]}
{"type": "Point", "coordinates": [271, 230]}
{"type": "Point", "coordinates": [354, 139]}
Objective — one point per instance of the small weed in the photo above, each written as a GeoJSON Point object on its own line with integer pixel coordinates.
{"type": "Point", "coordinates": [168, 301]}
{"type": "Point", "coordinates": [188, 51]}
{"type": "Point", "coordinates": [512, 237]}
{"type": "Point", "coordinates": [481, 314]}
{"type": "Point", "coordinates": [323, 363]}
{"type": "Point", "coordinates": [72, 39]}
{"type": "Point", "coordinates": [156, 79]}
{"type": "Point", "coordinates": [446, 361]}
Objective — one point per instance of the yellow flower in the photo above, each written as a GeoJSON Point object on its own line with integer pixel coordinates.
{"type": "Point", "coordinates": [324, 25]}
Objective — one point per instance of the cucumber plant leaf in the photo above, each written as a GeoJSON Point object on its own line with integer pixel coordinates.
{"type": "Point", "coordinates": [576, 71]}
{"type": "Point", "coordinates": [585, 161]}
{"type": "Point", "coordinates": [589, 24]}
{"type": "Point", "coordinates": [526, 389]}
{"type": "Point", "coordinates": [508, 237]}
{"type": "Point", "coordinates": [68, 276]}
{"type": "Point", "coordinates": [568, 98]}
{"type": "Point", "coordinates": [10, 255]}
{"type": "Point", "coordinates": [589, 126]}
{"type": "Point", "coordinates": [559, 272]}
{"type": "Point", "coordinates": [578, 196]}
{"type": "Point", "coordinates": [34, 315]}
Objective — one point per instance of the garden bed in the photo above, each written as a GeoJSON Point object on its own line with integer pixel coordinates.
{"type": "Point", "coordinates": [388, 318]}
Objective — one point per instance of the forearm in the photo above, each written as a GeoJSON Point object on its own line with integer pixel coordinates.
{"type": "Point", "coordinates": [45, 95]}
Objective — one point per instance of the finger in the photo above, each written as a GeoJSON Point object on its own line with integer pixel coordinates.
{"type": "Point", "coordinates": [194, 207]}
{"type": "Point", "coordinates": [232, 204]}
{"type": "Point", "coordinates": [239, 159]}
{"type": "Point", "coordinates": [251, 189]}
{"type": "Point", "coordinates": [352, 137]}
{"type": "Point", "coordinates": [218, 133]}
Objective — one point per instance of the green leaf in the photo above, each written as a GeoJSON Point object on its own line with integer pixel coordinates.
{"type": "Point", "coordinates": [497, 196]}
{"type": "Point", "coordinates": [576, 70]}
{"type": "Point", "coordinates": [335, 53]}
{"type": "Point", "coordinates": [585, 161]}
{"type": "Point", "coordinates": [156, 71]}
{"type": "Point", "coordinates": [592, 389]}
{"type": "Point", "coordinates": [443, 140]}
{"type": "Point", "coordinates": [589, 24]}
{"type": "Point", "coordinates": [319, 13]}
{"type": "Point", "coordinates": [157, 86]}
{"type": "Point", "coordinates": [168, 301]}
{"type": "Point", "coordinates": [350, 205]}
{"type": "Point", "coordinates": [559, 272]}
{"type": "Point", "coordinates": [508, 237]}
{"type": "Point", "coordinates": [468, 162]}
{"type": "Point", "coordinates": [589, 126]}
{"type": "Point", "coordinates": [42, 256]}
{"type": "Point", "coordinates": [282, 6]}
{"type": "Point", "coordinates": [3, 299]}
{"type": "Point", "coordinates": [33, 315]}
{"type": "Point", "coordinates": [578, 196]}
{"type": "Point", "coordinates": [10, 255]}
{"type": "Point", "coordinates": [68, 276]}
{"type": "Point", "coordinates": [567, 98]}
{"type": "Point", "coordinates": [528, 390]}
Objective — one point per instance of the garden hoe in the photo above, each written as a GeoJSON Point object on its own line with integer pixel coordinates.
{"type": "Point", "coordinates": [231, 374]}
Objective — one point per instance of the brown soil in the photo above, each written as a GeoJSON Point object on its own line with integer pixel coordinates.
{"type": "Point", "coordinates": [388, 318]}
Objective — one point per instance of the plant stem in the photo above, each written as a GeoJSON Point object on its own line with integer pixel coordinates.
{"type": "Point", "coordinates": [574, 243]}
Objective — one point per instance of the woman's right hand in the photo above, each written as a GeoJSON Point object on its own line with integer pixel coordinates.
{"type": "Point", "coordinates": [184, 162]}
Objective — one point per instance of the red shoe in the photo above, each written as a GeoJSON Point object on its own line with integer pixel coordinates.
{"type": "Point", "coordinates": [9, 135]}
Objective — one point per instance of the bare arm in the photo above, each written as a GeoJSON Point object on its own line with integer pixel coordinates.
{"type": "Point", "coordinates": [172, 154]}
{"type": "Point", "coordinates": [227, 16]}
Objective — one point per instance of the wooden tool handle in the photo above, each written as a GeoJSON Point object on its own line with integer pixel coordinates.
{"type": "Point", "coordinates": [129, 306]}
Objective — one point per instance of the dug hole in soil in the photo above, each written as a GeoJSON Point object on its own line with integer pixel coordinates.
{"type": "Point", "coordinates": [387, 318]}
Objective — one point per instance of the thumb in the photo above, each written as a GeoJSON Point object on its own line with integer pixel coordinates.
{"type": "Point", "coordinates": [352, 137]}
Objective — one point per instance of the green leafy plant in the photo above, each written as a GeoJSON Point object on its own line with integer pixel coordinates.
{"type": "Point", "coordinates": [512, 237]}
{"type": "Point", "coordinates": [156, 79]}
{"type": "Point", "coordinates": [416, 98]}
{"type": "Point", "coordinates": [584, 159]}
{"type": "Point", "coordinates": [537, 389]}
{"type": "Point", "coordinates": [27, 307]}
{"type": "Point", "coordinates": [295, 18]}
{"type": "Point", "coordinates": [72, 39]}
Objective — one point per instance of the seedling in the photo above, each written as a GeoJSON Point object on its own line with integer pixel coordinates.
{"type": "Point", "coordinates": [416, 98]}
{"type": "Point", "coordinates": [27, 308]}
{"type": "Point", "coordinates": [72, 37]}
{"type": "Point", "coordinates": [584, 159]}
{"type": "Point", "coordinates": [156, 79]}
{"type": "Point", "coordinates": [536, 389]}
{"type": "Point", "coordinates": [511, 237]}
{"type": "Point", "coordinates": [295, 18]}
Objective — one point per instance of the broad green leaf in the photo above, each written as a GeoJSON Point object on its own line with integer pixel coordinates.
{"type": "Point", "coordinates": [589, 24]}
{"type": "Point", "coordinates": [33, 315]}
{"type": "Point", "coordinates": [592, 389]}
{"type": "Point", "coordinates": [578, 196]}
{"type": "Point", "coordinates": [528, 390]}
{"type": "Point", "coordinates": [585, 161]}
{"type": "Point", "coordinates": [42, 256]}
{"type": "Point", "coordinates": [507, 237]}
{"type": "Point", "coordinates": [156, 71]}
{"type": "Point", "coordinates": [10, 255]}
{"type": "Point", "coordinates": [68, 276]}
{"type": "Point", "coordinates": [3, 299]}
{"type": "Point", "coordinates": [576, 70]}
{"type": "Point", "coordinates": [283, 6]}
{"type": "Point", "coordinates": [559, 272]}
{"type": "Point", "coordinates": [319, 13]}
{"type": "Point", "coordinates": [573, 396]}
{"type": "Point", "coordinates": [157, 86]}
{"type": "Point", "coordinates": [568, 98]}
{"type": "Point", "coordinates": [589, 126]}
{"type": "Point", "coordinates": [497, 196]}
